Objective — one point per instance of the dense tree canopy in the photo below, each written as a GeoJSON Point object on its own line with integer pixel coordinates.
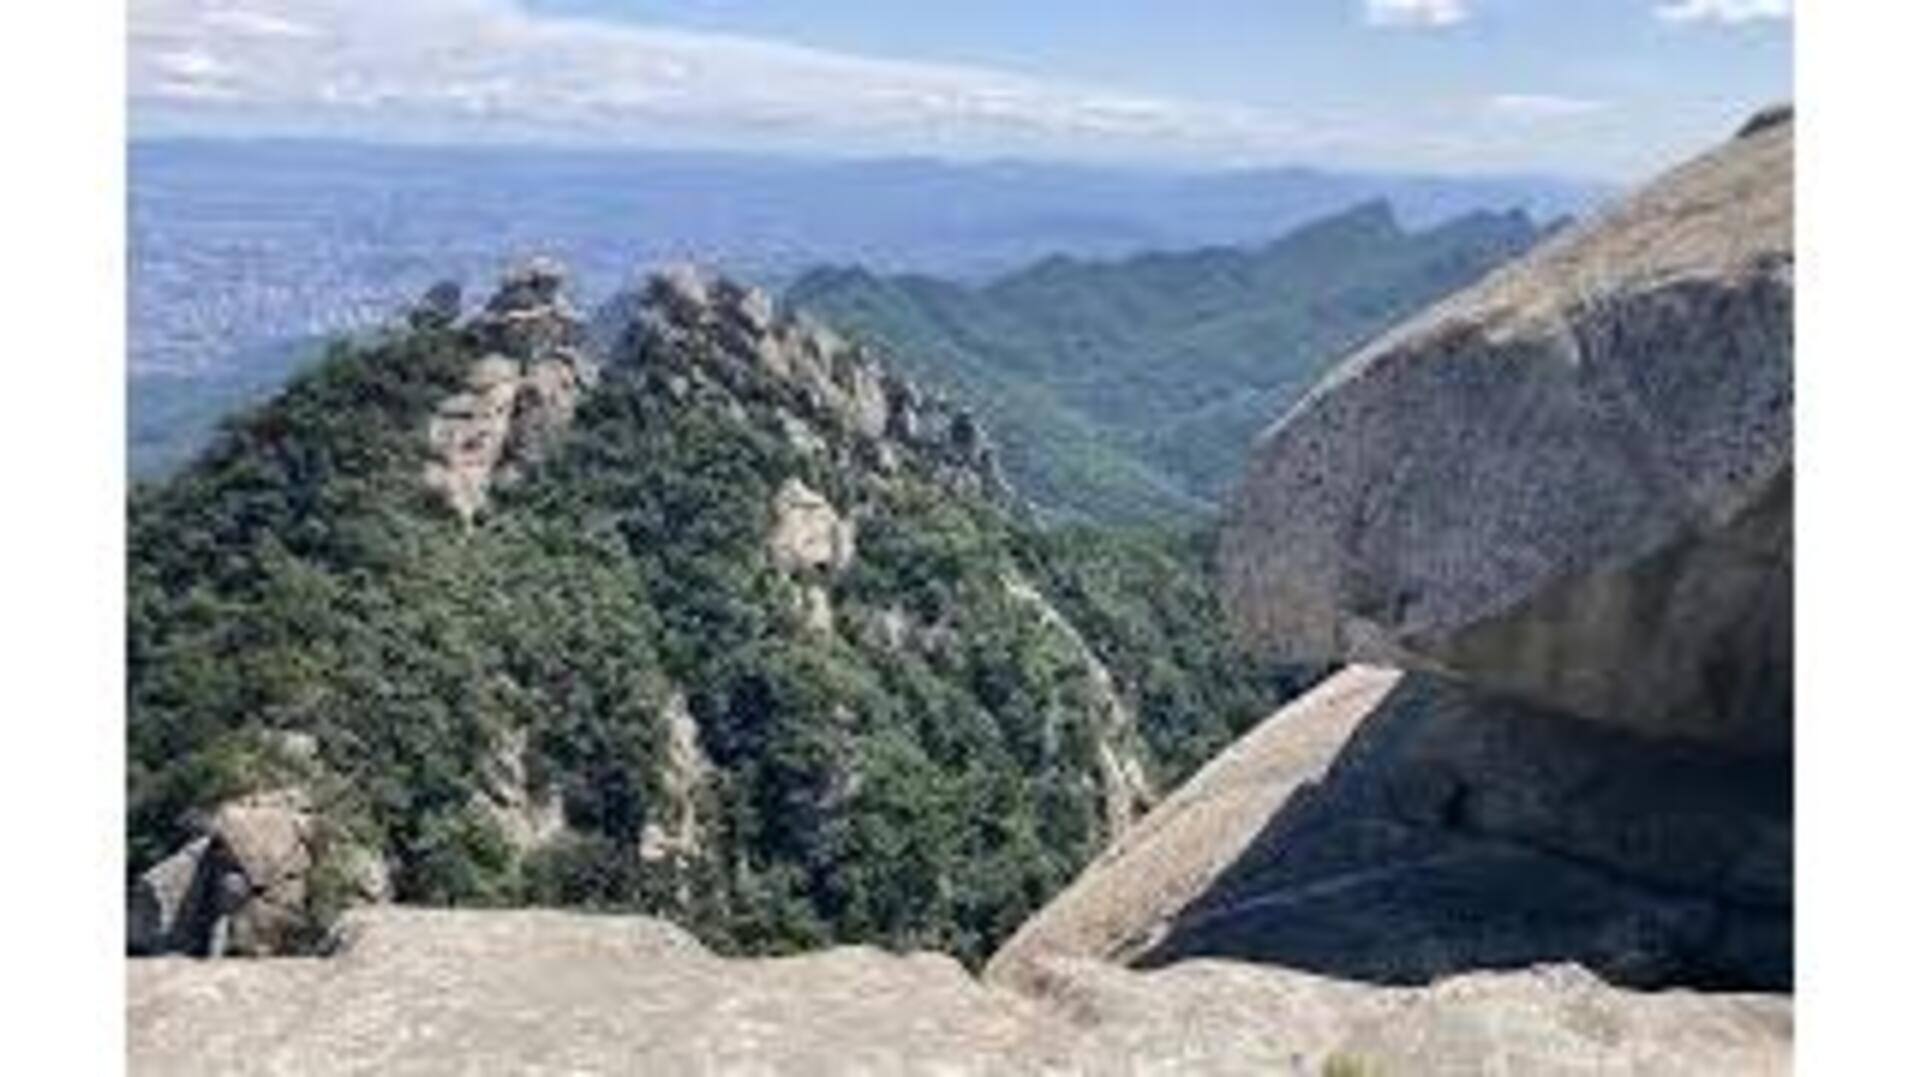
{"type": "Point", "coordinates": [922, 774]}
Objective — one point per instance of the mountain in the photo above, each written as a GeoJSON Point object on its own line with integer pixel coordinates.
{"type": "Point", "coordinates": [1129, 390]}
{"type": "Point", "coordinates": [720, 619]}
{"type": "Point", "coordinates": [235, 243]}
{"type": "Point", "coordinates": [247, 255]}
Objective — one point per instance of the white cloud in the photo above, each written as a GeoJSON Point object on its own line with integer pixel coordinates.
{"type": "Point", "coordinates": [1728, 11]}
{"type": "Point", "coordinates": [490, 64]}
{"type": "Point", "coordinates": [1416, 12]}
{"type": "Point", "coordinates": [1533, 106]}
{"type": "Point", "coordinates": [261, 23]}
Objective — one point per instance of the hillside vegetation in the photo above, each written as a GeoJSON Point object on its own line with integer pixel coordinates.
{"type": "Point", "coordinates": [1130, 390]}
{"type": "Point", "coordinates": [601, 684]}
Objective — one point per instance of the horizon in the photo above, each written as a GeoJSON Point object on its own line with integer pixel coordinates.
{"type": "Point", "coordinates": [827, 158]}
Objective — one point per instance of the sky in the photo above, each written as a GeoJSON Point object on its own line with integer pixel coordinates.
{"type": "Point", "coordinates": [1608, 89]}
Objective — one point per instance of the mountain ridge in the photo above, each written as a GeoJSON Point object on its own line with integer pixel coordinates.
{"type": "Point", "coordinates": [1128, 389]}
{"type": "Point", "coordinates": [721, 619]}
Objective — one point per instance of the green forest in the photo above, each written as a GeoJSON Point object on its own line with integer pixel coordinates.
{"type": "Point", "coordinates": [1129, 391]}
{"type": "Point", "coordinates": [297, 577]}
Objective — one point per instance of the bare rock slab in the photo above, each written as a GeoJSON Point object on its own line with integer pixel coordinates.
{"type": "Point", "coordinates": [419, 993]}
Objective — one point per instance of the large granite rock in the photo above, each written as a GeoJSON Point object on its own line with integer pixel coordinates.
{"type": "Point", "coordinates": [421, 992]}
{"type": "Point", "coordinates": [164, 903]}
{"type": "Point", "coordinates": [1557, 511]}
{"type": "Point", "coordinates": [1570, 483]}
{"type": "Point", "coordinates": [263, 877]}
{"type": "Point", "coordinates": [1399, 828]}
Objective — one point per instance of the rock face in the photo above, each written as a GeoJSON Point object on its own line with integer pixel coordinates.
{"type": "Point", "coordinates": [1399, 828]}
{"type": "Point", "coordinates": [250, 885]}
{"type": "Point", "coordinates": [164, 906]}
{"type": "Point", "coordinates": [1122, 903]}
{"type": "Point", "coordinates": [519, 397]}
{"type": "Point", "coordinates": [442, 992]}
{"type": "Point", "coordinates": [1571, 482]}
{"type": "Point", "coordinates": [526, 817]}
{"type": "Point", "coordinates": [683, 775]}
{"type": "Point", "coordinates": [1123, 778]}
{"type": "Point", "coordinates": [809, 535]}
{"type": "Point", "coordinates": [733, 329]}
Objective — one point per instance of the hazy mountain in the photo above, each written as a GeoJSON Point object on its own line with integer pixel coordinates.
{"type": "Point", "coordinates": [239, 242]}
{"type": "Point", "coordinates": [1130, 389]}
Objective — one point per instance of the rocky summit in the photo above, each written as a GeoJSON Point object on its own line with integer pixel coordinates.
{"type": "Point", "coordinates": [419, 992]}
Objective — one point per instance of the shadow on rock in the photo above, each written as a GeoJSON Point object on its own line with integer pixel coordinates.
{"type": "Point", "coordinates": [1456, 833]}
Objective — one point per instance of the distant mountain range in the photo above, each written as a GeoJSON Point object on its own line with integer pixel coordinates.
{"type": "Point", "coordinates": [246, 256]}
{"type": "Point", "coordinates": [235, 243]}
{"type": "Point", "coordinates": [1129, 390]}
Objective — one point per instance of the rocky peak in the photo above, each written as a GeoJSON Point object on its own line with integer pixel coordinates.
{"type": "Point", "coordinates": [438, 307]}
{"type": "Point", "coordinates": [528, 318]}
{"type": "Point", "coordinates": [1766, 119]}
{"type": "Point", "coordinates": [520, 394]}
{"type": "Point", "coordinates": [704, 329]}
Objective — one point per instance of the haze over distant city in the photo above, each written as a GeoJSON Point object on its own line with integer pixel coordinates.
{"type": "Point", "coordinates": [1613, 89]}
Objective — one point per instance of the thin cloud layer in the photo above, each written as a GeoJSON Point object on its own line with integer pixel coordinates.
{"type": "Point", "coordinates": [1727, 11]}
{"type": "Point", "coordinates": [490, 63]}
{"type": "Point", "coordinates": [1535, 106]}
{"type": "Point", "coordinates": [1417, 13]}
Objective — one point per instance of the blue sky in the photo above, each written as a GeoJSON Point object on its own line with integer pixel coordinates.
{"type": "Point", "coordinates": [1608, 88]}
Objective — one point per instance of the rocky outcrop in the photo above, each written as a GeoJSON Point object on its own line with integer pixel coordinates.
{"type": "Point", "coordinates": [527, 817]}
{"type": "Point", "coordinates": [833, 397]}
{"type": "Point", "coordinates": [809, 535]}
{"type": "Point", "coordinates": [262, 878]}
{"type": "Point", "coordinates": [676, 831]}
{"type": "Point", "coordinates": [1122, 903]}
{"type": "Point", "coordinates": [1123, 777]}
{"type": "Point", "coordinates": [1570, 483]}
{"type": "Point", "coordinates": [1399, 828]}
{"type": "Point", "coordinates": [467, 435]}
{"type": "Point", "coordinates": [165, 905]}
{"type": "Point", "coordinates": [444, 992]}
{"type": "Point", "coordinates": [519, 397]}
